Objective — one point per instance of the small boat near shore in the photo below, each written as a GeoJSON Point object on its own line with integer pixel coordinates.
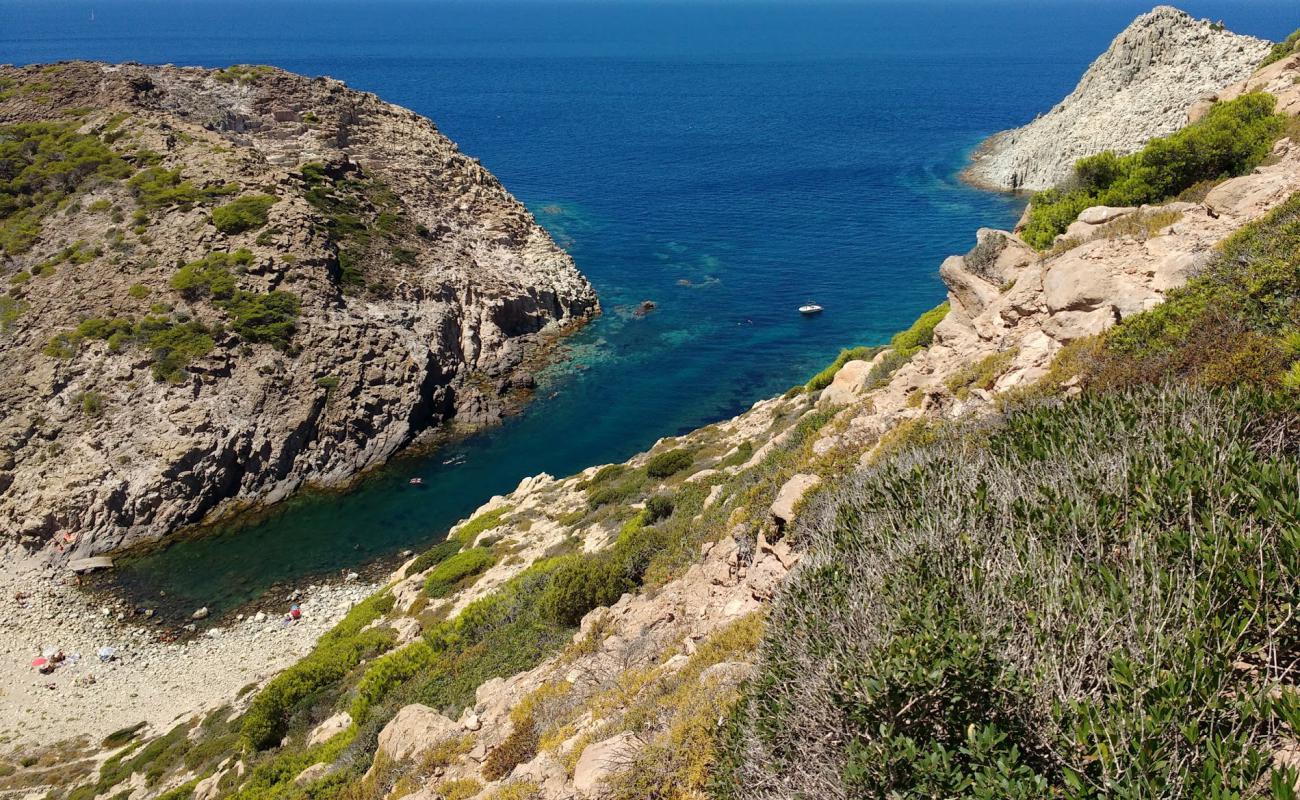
{"type": "Point", "coordinates": [810, 309]}
{"type": "Point", "coordinates": [416, 481]}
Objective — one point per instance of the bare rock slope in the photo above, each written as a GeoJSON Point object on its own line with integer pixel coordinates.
{"type": "Point", "coordinates": [1141, 87]}
{"type": "Point", "coordinates": [223, 285]}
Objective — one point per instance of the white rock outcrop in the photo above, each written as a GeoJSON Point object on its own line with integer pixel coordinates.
{"type": "Point", "coordinates": [1143, 86]}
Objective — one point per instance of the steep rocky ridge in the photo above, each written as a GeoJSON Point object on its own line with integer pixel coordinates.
{"type": "Point", "coordinates": [390, 284]}
{"type": "Point", "coordinates": [1141, 87]}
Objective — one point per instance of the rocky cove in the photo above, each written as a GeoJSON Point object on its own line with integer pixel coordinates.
{"type": "Point", "coordinates": [521, 660]}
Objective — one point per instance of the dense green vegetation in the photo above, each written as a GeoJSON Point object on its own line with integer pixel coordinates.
{"type": "Point", "coordinates": [434, 555]}
{"type": "Point", "coordinates": [1235, 322]}
{"type": "Point", "coordinates": [173, 345]}
{"type": "Point", "coordinates": [337, 653]}
{"type": "Point", "coordinates": [1232, 139]}
{"type": "Point", "coordinates": [1055, 606]}
{"type": "Point", "coordinates": [1282, 49]}
{"type": "Point", "coordinates": [366, 221]}
{"type": "Point", "coordinates": [156, 187]}
{"type": "Point", "coordinates": [268, 317]}
{"type": "Point", "coordinates": [458, 571]}
{"type": "Point", "coordinates": [669, 462]}
{"type": "Point", "coordinates": [1086, 598]}
{"type": "Point", "coordinates": [41, 164]}
{"type": "Point", "coordinates": [243, 214]}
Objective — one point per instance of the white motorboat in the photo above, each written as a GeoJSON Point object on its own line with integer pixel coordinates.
{"type": "Point", "coordinates": [810, 309]}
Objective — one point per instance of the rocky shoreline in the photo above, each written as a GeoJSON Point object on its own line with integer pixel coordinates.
{"type": "Point", "coordinates": [153, 677]}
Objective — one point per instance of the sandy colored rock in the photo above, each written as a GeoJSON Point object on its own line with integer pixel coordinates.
{"type": "Point", "coordinates": [413, 730]}
{"type": "Point", "coordinates": [846, 385]}
{"type": "Point", "coordinates": [327, 729]}
{"type": "Point", "coordinates": [790, 495]}
{"type": "Point", "coordinates": [602, 759]}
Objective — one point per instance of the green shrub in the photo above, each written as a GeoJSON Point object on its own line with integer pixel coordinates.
{"type": "Point", "coordinates": [520, 746]}
{"type": "Point", "coordinates": [10, 310]}
{"type": "Point", "coordinates": [456, 571]}
{"type": "Point", "coordinates": [467, 533]}
{"type": "Point", "coordinates": [210, 277]}
{"type": "Point", "coordinates": [921, 332]}
{"type": "Point", "coordinates": [1059, 604]}
{"type": "Point", "coordinates": [335, 655]}
{"type": "Point", "coordinates": [669, 463]}
{"type": "Point", "coordinates": [92, 404]}
{"type": "Point", "coordinates": [243, 214]}
{"type": "Point", "coordinates": [1232, 139]}
{"type": "Point", "coordinates": [269, 318]}
{"type": "Point", "coordinates": [658, 507]}
{"type": "Point", "coordinates": [614, 486]}
{"type": "Point", "coordinates": [243, 73]}
{"type": "Point", "coordinates": [580, 584]}
{"type": "Point", "coordinates": [904, 345]}
{"type": "Point", "coordinates": [1282, 49]}
{"type": "Point", "coordinates": [434, 555]}
{"type": "Point", "coordinates": [823, 379]}
{"type": "Point", "coordinates": [139, 291]}
{"type": "Point", "coordinates": [157, 187]}
{"type": "Point", "coordinates": [41, 164]}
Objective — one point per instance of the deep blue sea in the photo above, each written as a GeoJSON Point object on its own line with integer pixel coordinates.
{"type": "Point", "coordinates": [727, 160]}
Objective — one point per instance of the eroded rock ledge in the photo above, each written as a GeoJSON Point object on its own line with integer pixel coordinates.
{"type": "Point", "coordinates": [421, 284]}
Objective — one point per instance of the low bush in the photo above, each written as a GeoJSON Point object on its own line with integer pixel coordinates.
{"type": "Point", "coordinates": [269, 318]}
{"type": "Point", "coordinates": [335, 655]}
{"type": "Point", "coordinates": [1232, 139]}
{"type": "Point", "coordinates": [157, 187]}
{"type": "Point", "coordinates": [669, 463]}
{"type": "Point", "coordinates": [1282, 49]}
{"type": "Point", "coordinates": [210, 277]}
{"type": "Point", "coordinates": [618, 487]}
{"type": "Point", "coordinates": [243, 214]}
{"type": "Point", "coordinates": [904, 345]}
{"type": "Point", "coordinates": [488, 520]}
{"type": "Point", "coordinates": [434, 555]}
{"type": "Point", "coordinates": [658, 507]}
{"type": "Point", "coordinates": [42, 163]}
{"type": "Point", "coordinates": [456, 571]}
{"type": "Point", "coordinates": [982, 374]}
{"type": "Point", "coordinates": [1088, 599]}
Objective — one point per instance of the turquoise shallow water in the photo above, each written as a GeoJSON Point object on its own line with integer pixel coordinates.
{"type": "Point", "coordinates": [728, 160]}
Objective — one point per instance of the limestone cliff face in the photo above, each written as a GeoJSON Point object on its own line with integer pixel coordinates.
{"type": "Point", "coordinates": [1141, 87]}
{"type": "Point", "coordinates": [421, 285]}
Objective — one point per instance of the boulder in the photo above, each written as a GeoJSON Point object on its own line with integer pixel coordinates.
{"type": "Point", "coordinates": [206, 789]}
{"type": "Point", "coordinates": [1100, 215]}
{"type": "Point", "coordinates": [602, 759]}
{"type": "Point", "coordinates": [792, 492]}
{"type": "Point", "coordinates": [1075, 283]}
{"type": "Point", "coordinates": [846, 385]}
{"type": "Point", "coordinates": [329, 728]}
{"type": "Point", "coordinates": [966, 289]}
{"type": "Point", "coordinates": [414, 730]}
{"type": "Point", "coordinates": [311, 774]}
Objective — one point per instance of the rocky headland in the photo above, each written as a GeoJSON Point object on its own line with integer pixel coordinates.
{"type": "Point", "coordinates": [1143, 86]}
{"type": "Point", "coordinates": [224, 285]}
{"type": "Point", "coordinates": [660, 627]}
